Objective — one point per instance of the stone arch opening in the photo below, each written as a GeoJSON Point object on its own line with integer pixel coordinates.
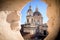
{"type": "Point", "coordinates": [25, 9]}
{"type": "Point", "coordinates": [52, 5]}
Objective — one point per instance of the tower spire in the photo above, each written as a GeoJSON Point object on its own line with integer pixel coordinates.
{"type": "Point", "coordinates": [36, 9]}
{"type": "Point", "coordinates": [30, 7]}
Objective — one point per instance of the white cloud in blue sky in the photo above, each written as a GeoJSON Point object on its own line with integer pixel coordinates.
{"type": "Point", "coordinates": [34, 3]}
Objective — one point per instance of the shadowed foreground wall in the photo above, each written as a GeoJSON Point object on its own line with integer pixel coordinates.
{"type": "Point", "coordinates": [12, 4]}
{"type": "Point", "coordinates": [53, 13]}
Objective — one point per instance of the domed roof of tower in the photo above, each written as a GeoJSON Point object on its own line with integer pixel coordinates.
{"type": "Point", "coordinates": [36, 13]}
{"type": "Point", "coordinates": [29, 9]}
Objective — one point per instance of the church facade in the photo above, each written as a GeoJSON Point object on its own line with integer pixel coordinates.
{"type": "Point", "coordinates": [34, 23]}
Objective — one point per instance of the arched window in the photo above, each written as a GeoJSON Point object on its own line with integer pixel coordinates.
{"type": "Point", "coordinates": [32, 20]}
{"type": "Point", "coordinates": [27, 20]}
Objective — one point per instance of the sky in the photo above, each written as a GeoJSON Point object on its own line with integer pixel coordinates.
{"type": "Point", "coordinates": [34, 3]}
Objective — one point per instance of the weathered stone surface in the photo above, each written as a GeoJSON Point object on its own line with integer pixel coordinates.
{"type": "Point", "coordinates": [9, 20]}
{"type": "Point", "coordinates": [6, 33]}
{"type": "Point", "coordinates": [12, 17]}
{"type": "Point", "coordinates": [12, 4]}
{"type": "Point", "coordinates": [53, 15]}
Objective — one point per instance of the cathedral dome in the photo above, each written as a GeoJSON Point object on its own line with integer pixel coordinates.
{"type": "Point", "coordinates": [36, 12]}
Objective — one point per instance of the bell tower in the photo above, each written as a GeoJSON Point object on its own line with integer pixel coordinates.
{"type": "Point", "coordinates": [29, 15]}
{"type": "Point", "coordinates": [29, 12]}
